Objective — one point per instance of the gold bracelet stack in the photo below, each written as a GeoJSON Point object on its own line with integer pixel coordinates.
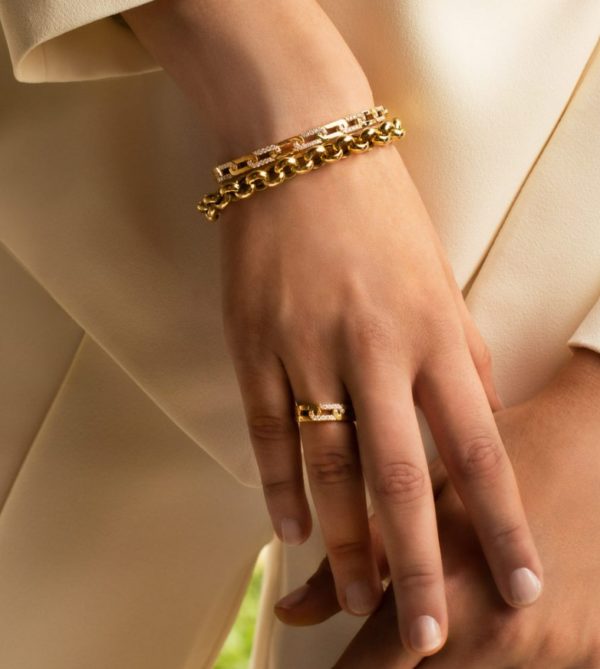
{"type": "Point", "coordinates": [274, 164]}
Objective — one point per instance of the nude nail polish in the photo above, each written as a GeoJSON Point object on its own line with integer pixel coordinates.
{"type": "Point", "coordinates": [293, 598]}
{"type": "Point", "coordinates": [291, 532]}
{"type": "Point", "coordinates": [525, 586]}
{"type": "Point", "coordinates": [360, 597]}
{"type": "Point", "coordinates": [425, 634]}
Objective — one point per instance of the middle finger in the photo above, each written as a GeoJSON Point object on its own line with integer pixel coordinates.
{"type": "Point", "coordinates": [396, 471]}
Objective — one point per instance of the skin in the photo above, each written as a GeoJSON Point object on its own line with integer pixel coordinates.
{"type": "Point", "coordinates": [553, 440]}
{"type": "Point", "coordinates": [375, 319]}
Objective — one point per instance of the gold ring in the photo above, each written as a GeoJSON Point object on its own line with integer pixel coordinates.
{"type": "Point", "coordinates": [324, 411]}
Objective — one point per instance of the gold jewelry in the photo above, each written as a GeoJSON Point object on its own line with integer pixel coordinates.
{"type": "Point", "coordinates": [324, 411]}
{"type": "Point", "coordinates": [299, 143]}
{"type": "Point", "coordinates": [287, 167]}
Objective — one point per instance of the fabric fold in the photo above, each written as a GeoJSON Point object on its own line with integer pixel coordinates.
{"type": "Point", "coordinates": [587, 334]}
{"type": "Point", "coordinates": [72, 40]}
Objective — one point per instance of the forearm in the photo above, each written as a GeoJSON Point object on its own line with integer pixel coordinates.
{"type": "Point", "coordinates": [259, 71]}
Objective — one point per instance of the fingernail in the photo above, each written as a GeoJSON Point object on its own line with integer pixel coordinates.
{"type": "Point", "coordinates": [293, 598]}
{"type": "Point", "coordinates": [360, 597]}
{"type": "Point", "coordinates": [525, 586]}
{"type": "Point", "coordinates": [291, 532]}
{"type": "Point", "coordinates": [425, 634]}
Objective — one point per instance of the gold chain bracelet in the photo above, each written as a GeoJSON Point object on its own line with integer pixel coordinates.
{"type": "Point", "coordinates": [287, 167]}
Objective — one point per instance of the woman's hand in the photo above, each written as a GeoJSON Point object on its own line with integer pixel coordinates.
{"type": "Point", "coordinates": [553, 441]}
{"type": "Point", "coordinates": [335, 288]}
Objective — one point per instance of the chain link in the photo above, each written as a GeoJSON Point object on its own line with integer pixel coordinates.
{"type": "Point", "coordinates": [285, 168]}
{"type": "Point", "coordinates": [349, 125]}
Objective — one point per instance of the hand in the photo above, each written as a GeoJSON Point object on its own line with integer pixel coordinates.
{"type": "Point", "coordinates": [553, 441]}
{"type": "Point", "coordinates": [334, 288]}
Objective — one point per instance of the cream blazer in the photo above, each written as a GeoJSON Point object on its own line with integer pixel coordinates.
{"type": "Point", "coordinates": [99, 178]}
{"type": "Point", "coordinates": [121, 414]}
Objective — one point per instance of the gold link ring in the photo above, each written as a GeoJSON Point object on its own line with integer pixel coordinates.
{"type": "Point", "coordinates": [314, 412]}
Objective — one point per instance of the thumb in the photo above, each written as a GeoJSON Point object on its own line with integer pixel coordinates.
{"type": "Point", "coordinates": [311, 603]}
{"type": "Point", "coordinates": [316, 600]}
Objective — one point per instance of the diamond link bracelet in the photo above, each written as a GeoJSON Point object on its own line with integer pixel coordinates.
{"type": "Point", "coordinates": [299, 143]}
{"type": "Point", "coordinates": [286, 167]}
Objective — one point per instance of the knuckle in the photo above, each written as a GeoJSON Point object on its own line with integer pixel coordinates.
{"type": "Point", "coordinates": [508, 535]}
{"type": "Point", "coordinates": [501, 633]}
{"type": "Point", "coordinates": [556, 650]}
{"type": "Point", "coordinates": [481, 457]}
{"type": "Point", "coordinates": [400, 483]}
{"type": "Point", "coordinates": [510, 634]}
{"type": "Point", "coordinates": [345, 548]}
{"type": "Point", "coordinates": [444, 335]}
{"type": "Point", "coordinates": [370, 333]}
{"type": "Point", "coordinates": [330, 467]}
{"type": "Point", "coordinates": [277, 488]}
{"type": "Point", "coordinates": [269, 428]}
{"type": "Point", "coordinates": [422, 575]}
{"type": "Point", "coordinates": [305, 344]}
{"type": "Point", "coordinates": [444, 324]}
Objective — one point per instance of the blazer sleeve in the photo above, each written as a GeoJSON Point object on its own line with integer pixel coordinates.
{"type": "Point", "coordinates": [587, 334]}
{"type": "Point", "coordinates": [72, 40]}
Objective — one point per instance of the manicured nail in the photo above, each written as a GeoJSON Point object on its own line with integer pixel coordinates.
{"type": "Point", "coordinates": [360, 597]}
{"type": "Point", "coordinates": [525, 586]}
{"type": "Point", "coordinates": [294, 597]}
{"type": "Point", "coordinates": [425, 634]}
{"type": "Point", "coordinates": [291, 531]}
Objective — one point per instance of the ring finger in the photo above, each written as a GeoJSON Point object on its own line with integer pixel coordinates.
{"type": "Point", "coordinates": [335, 477]}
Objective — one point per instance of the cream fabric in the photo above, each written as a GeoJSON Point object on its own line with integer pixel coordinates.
{"type": "Point", "coordinates": [69, 40]}
{"type": "Point", "coordinates": [117, 379]}
{"type": "Point", "coordinates": [122, 544]}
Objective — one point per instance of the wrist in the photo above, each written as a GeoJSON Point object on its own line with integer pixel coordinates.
{"type": "Point", "coordinates": [302, 105]}
{"type": "Point", "coordinates": [258, 72]}
{"type": "Point", "coordinates": [265, 99]}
